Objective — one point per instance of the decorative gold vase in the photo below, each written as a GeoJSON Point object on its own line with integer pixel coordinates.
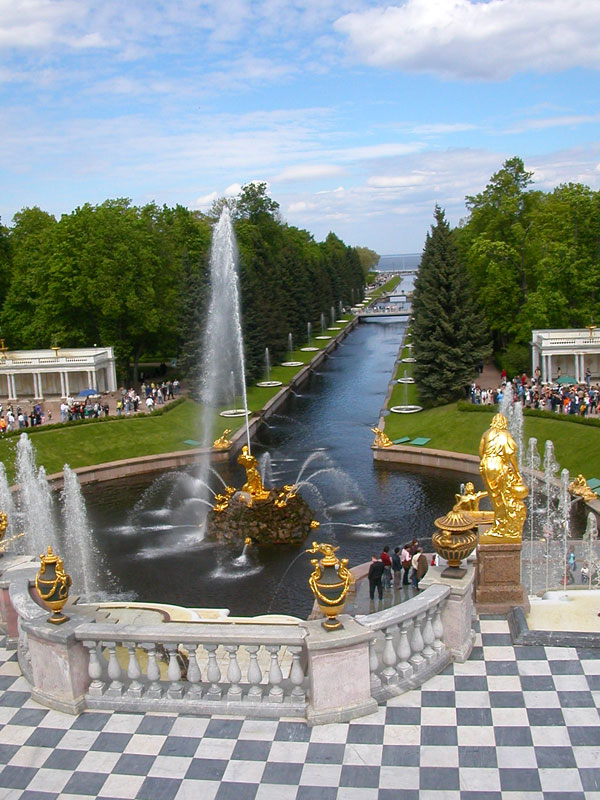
{"type": "Point", "coordinates": [52, 584]}
{"type": "Point", "coordinates": [330, 581]}
{"type": "Point", "coordinates": [455, 540]}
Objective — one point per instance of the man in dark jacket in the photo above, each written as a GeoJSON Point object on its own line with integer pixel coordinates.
{"type": "Point", "coordinates": [375, 574]}
{"type": "Point", "coordinates": [419, 567]}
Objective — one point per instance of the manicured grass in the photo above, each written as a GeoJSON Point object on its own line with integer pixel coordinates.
{"type": "Point", "coordinates": [577, 447]}
{"type": "Point", "coordinates": [387, 287]}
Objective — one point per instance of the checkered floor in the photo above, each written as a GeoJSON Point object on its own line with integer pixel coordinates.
{"type": "Point", "coordinates": [518, 722]}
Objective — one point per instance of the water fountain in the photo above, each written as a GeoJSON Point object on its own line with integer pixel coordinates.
{"type": "Point", "coordinates": [268, 382]}
{"type": "Point", "coordinates": [36, 516]}
{"type": "Point", "coordinates": [76, 535]}
{"type": "Point", "coordinates": [333, 326]}
{"type": "Point", "coordinates": [309, 348]}
{"type": "Point", "coordinates": [323, 335]}
{"type": "Point", "coordinates": [223, 333]}
{"type": "Point", "coordinates": [290, 362]}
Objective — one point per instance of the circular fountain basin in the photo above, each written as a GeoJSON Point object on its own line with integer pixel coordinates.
{"type": "Point", "coordinates": [405, 409]}
{"type": "Point", "coordinates": [334, 328]}
{"type": "Point", "coordinates": [293, 364]}
{"type": "Point", "coordinates": [341, 320]}
{"type": "Point", "coordinates": [409, 359]}
{"type": "Point", "coordinates": [309, 349]}
{"type": "Point", "coordinates": [264, 384]}
{"type": "Point", "coordinates": [405, 380]}
{"type": "Point", "coordinates": [570, 610]}
{"type": "Point", "coordinates": [322, 337]}
{"type": "Point", "coordinates": [234, 412]}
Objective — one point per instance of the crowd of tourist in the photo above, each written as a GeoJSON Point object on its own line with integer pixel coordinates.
{"type": "Point", "coordinates": [14, 418]}
{"type": "Point", "coordinates": [582, 399]}
{"type": "Point", "coordinates": [404, 565]}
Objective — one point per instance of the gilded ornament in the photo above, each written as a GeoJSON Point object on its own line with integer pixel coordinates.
{"type": "Point", "coordinates": [52, 584]}
{"type": "Point", "coordinates": [254, 485]}
{"type": "Point", "coordinates": [223, 443]}
{"type": "Point", "coordinates": [455, 540]}
{"type": "Point", "coordinates": [381, 438]}
{"type": "Point", "coordinates": [329, 581]}
{"type": "Point", "coordinates": [579, 487]}
{"type": "Point", "coordinates": [469, 501]}
{"type": "Point", "coordinates": [499, 469]}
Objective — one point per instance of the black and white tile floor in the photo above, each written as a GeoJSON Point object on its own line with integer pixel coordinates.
{"type": "Point", "coordinates": [513, 722]}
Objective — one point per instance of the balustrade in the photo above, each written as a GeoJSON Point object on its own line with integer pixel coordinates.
{"type": "Point", "coordinates": [196, 667]}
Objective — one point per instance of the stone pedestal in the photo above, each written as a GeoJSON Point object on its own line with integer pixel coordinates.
{"type": "Point", "coordinates": [498, 585]}
{"type": "Point", "coordinates": [340, 679]}
{"type": "Point", "coordinates": [457, 612]}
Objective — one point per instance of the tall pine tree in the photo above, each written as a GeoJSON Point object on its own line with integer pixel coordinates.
{"type": "Point", "coordinates": [450, 333]}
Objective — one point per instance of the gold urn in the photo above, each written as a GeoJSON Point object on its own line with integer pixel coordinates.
{"type": "Point", "coordinates": [329, 581]}
{"type": "Point", "coordinates": [455, 540]}
{"type": "Point", "coordinates": [52, 584]}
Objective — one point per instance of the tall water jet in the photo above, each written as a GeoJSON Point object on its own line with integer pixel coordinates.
{"type": "Point", "coordinates": [551, 467]}
{"type": "Point", "coordinates": [564, 510]}
{"type": "Point", "coordinates": [222, 348]}
{"type": "Point", "coordinates": [268, 382]}
{"type": "Point", "coordinates": [76, 534]}
{"type": "Point", "coordinates": [533, 464]}
{"type": "Point", "coordinates": [590, 538]}
{"type": "Point", "coordinates": [7, 505]}
{"type": "Point", "coordinates": [35, 500]}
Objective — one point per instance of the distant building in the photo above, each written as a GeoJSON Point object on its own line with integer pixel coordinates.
{"type": "Point", "coordinates": [58, 372]}
{"type": "Point", "coordinates": [573, 351]}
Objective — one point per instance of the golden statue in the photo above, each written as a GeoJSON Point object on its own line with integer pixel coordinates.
{"type": "Point", "coordinates": [580, 488]}
{"type": "Point", "coordinates": [223, 443]}
{"type": "Point", "coordinates": [381, 438]}
{"type": "Point", "coordinates": [469, 501]}
{"type": "Point", "coordinates": [254, 485]}
{"type": "Point", "coordinates": [222, 500]}
{"type": "Point", "coordinates": [501, 477]}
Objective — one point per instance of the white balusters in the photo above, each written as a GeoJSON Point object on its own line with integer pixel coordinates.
{"type": "Point", "coordinates": [213, 673]}
{"type": "Point", "coordinates": [403, 667]}
{"type": "Point", "coordinates": [374, 666]}
{"type": "Point", "coordinates": [234, 674]}
{"type": "Point", "coordinates": [389, 674]}
{"type": "Point", "coordinates": [96, 688]}
{"type": "Point", "coordinates": [175, 689]}
{"type": "Point", "coordinates": [194, 675]}
{"type": "Point", "coordinates": [134, 673]}
{"type": "Point", "coordinates": [152, 671]}
{"type": "Point", "coordinates": [297, 675]}
{"type": "Point", "coordinates": [438, 630]}
{"type": "Point", "coordinates": [428, 636]}
{"type": "Point", "coordinates": [115, 688]}
{"type": "Point", "coordinates": [417, 644]}
{"type": "Point", "coordinates": [275, 675]}
{"type": "Point", "coordinates": [254, 675]}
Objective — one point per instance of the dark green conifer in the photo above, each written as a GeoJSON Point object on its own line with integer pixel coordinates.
{"type": "Point", "coordinates": [449, 330]}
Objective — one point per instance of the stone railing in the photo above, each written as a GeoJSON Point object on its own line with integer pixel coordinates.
{"type": "Point", "coordinates": [409, 646]}
{"type": "Point", "coordinates": [233, 666]}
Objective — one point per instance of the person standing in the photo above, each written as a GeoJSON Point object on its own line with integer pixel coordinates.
{"type": "Point", "coordinates": [387, 564]}
{"type": "Point", "coordinates": [375, 574]}
{"type": "Point", "coordinates": [419, 567]}
{"type": "Point", "coordinates": [396, 567]}
{"type": "Point", "coordinates": [406, 559]}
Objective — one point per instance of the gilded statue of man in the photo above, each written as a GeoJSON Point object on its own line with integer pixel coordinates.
{"type": "Point", "coordinates": [254, 485]}
{"type": "Point", "coordinates": [500, 472]}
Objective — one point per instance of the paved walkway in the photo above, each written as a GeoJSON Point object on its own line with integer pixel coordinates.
{"type": "Point", "coordinates": [513, 722]}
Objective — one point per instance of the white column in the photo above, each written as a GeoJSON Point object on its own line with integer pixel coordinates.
{"type": "Point", "coordinates": [67, 390]}
{"type": "Point", "coordinates": [89, 377]}
{"type": "Point", "coordinates": [35, 384]}
{"type": "Point", "coordinates": [549, 367]}
{"type": "Point", "coordinates": [62, 384]}
{"type": "Point", "coordinates": [40, 386]}
{"type": "Point", "coordinates": [12, 387]}
{"type": "Point", "coordinates": [535, 359]}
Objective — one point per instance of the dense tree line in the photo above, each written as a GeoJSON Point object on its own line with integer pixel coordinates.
{"type": "Point", "coordinates": [136, 278]}
{"type": "Point", "coordinates": [533, 258]}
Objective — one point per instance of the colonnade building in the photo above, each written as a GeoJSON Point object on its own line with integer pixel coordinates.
{"type": "Point", "coordinates": [56, 372]}
{"type": "Point", "coordinates": [573, 351]}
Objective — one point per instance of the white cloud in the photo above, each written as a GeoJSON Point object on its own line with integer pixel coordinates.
{"type": "Point", "coordinates": [302, 172]}
{"type": "Point", "coordinates": [397, 181]}
{"type": "Point", "coordinates": [554, 122]}
{"type": "Point", "coordinates": [483, 40]}
{"type": "Point", "coordinates": [205, 200]}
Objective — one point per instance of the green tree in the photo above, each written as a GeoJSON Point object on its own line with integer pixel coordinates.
{"type": "Point", "coordinates": [449, 329]}
{"type": "Point", "coordinates": [368, 259]}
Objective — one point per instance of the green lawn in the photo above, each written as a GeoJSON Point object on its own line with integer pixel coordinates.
{"type": "Point", "coordinates": [577, 447]}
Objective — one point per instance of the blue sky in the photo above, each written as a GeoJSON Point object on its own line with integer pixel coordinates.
{"type": "Point", "coordinates": [359, 117]}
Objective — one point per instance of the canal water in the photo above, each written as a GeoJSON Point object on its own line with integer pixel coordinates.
{"type": "Point", "coordinates": [149, 539]}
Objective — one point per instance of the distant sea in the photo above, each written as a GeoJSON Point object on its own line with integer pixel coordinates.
{"type": "Point", "coordinates": [402, 261]}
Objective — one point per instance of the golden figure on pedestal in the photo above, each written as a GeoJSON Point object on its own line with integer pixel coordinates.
{"type": "Point", "coordinates": [469, 501]}
{"type": "Point", "coordinates": [222, 500]}
{"type": "Point", "coordinates": [499, 469]}
{"type": "Point", "coordinates": [580, 488]}
{"type": "Point", "coordinates": [254, 485]}
{"type": "Point", "coordinates": [223, 443]}
{"type": "Point", "coordinates": [381, 438]}
{"type": "Point", "coordinates": [3, 526]}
